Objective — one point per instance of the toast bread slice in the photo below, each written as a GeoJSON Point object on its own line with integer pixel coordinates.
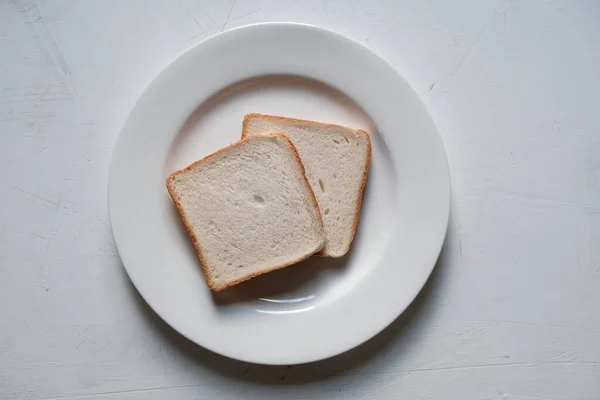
{"type": "Point", "coordinates": [336, 159]}
{"type": "Point", "coordinates": [249, 209]}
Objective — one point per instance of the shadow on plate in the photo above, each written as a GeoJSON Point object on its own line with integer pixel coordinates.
{"type": "Point", "coordinates": [272, 284]}
{"type": "Point", "coordinates": [277, 283]}
{"type": "Point", "coordinates": [398, 340]}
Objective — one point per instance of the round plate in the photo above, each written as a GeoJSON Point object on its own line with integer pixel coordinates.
{"type": "Point", "coordinates": [323, 306]}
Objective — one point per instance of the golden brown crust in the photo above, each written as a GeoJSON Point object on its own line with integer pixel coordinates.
{"type": "Point", "coordinates": [363, 183]}
{"type": "Point", "coordinates": [357, 208]}
{"type": "Point", "coordinates": [364, 177]}
{"type": "Point", "coordinates": [247, 117]}
{"type": "Point", "coordinates": [188, 226]}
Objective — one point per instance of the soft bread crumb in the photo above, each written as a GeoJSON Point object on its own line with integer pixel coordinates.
{"type": "Point", "coordinates": [248, 209]}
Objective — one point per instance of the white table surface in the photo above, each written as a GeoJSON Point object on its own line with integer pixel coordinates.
{"type": "Point", "coordinates": [512, 311]}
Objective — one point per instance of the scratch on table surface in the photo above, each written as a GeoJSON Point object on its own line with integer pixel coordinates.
{"type": "Point", "coordinates": [40, 266]}
{"type": "Point", "coordinates": [35, 198]}
{"type": "Point", "coordinates": [537, 200]}
{"type": "Point", "coordinates": [569, 355]}
{"type": "Point", "coordinates": [43, 96]}
{"type": "Point", "coordinates": [490, 365]}
{"type": "Point", "coordinates": [535, 324]}
{"type": "Point", "coordinates": [42, 125]}
{"type": "Point", "coordinates": [35, 235]}
{"type": "Point", "coordinates": [470, 331]}
{"type": "Point", "coordinates": [31, 94]}
{"type": "Point", "coordinates": [201, 17]}
{"type": "Point", "coordinates": [206, 17]}
{"type": "Point", "coordinates": [228, 15]}
{"type": "Point", "coordinates": [193, 17]}
{"type": "Point", "coordinates": [85, 339]}
{"type": "Point", "coordinates": [469, 54]}
{"type": "Point", "coordinates": [379, 388]}
{"type": "Point", "coordinates": [197, 36]}
{"type": "Point", "coordinates": [244, 15]}
{"type": "Point", "coordinates": [111, 250]}
{"type": "Point", "coordinates": [127, 391]}
{"type": "Point", "coordinates": [33, 17]}
{"type": "Point", "coordinates": [504, 11]}
{"type": "Point", "coordinates": [463, 60]}
{"type": "Point", "coordinates": [14, 117]}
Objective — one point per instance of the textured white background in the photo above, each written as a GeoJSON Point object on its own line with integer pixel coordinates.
{"type": "Point", "coordinates": [512, 311]}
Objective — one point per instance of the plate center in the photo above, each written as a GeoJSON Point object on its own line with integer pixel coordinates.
{"type": "Point", "coordinates": [218, 122]}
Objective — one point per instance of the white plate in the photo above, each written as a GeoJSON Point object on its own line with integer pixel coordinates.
{"type": "Point", "coordinates": [321, 307]}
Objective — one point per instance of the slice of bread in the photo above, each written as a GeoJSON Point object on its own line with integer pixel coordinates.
{"type": "Point", "coordinates": [249, 209]}
{"type": "Point", "coordinates": [337, 160]}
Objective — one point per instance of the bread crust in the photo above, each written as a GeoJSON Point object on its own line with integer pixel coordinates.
{"type": "Point", "coordinates": [363, 183]}
{"type": "Point", "coordinates": [276, 117]}
{"type": "Point", "coordinates": [188, 225]}
{"type": "Point", "coordinates": [357, 208]}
